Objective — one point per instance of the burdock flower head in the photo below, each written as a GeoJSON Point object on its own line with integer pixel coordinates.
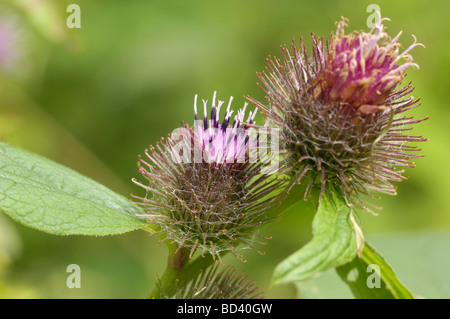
{"type": "Point", "coordinates": [204, 189]}
{"type": "Point", "coordinates": [362, 69]}
{"type": "Point", "coordinates": [341, 112]}
{"type": "Point", "coordinates": [216, 282]}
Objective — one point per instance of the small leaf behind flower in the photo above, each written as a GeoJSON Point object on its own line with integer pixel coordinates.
{"type": "Point", "coordinates": [367, 283]}
{"type": "Point", "coordinates": [47, 196]}
{"type": "Point", "coordinates": [334, 243]}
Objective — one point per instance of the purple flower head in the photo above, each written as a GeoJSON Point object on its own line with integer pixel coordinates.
{"type": "Point", "coordinates": [362, 69]}
{"type": "Point", "coordinates": [225, 142]}
{"type": "Point", "coordinates": [203, 191]}
{"type": "Point", "coordinates": [341, 115]}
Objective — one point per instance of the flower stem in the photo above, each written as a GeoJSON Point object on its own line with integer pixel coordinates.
{"type": "Point", "coordinates": [179, 270]}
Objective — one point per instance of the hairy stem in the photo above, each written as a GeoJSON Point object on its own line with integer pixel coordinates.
{"type": "Point", "coordinates": [179, 270]}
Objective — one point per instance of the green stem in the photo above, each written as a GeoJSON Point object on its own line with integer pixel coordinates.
{"type": "Point", "coordinates": [177, 260]}
{"type": "Point", "coordinates": [179, 270]}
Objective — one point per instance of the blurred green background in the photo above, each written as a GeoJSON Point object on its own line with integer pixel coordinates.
{"type": "Point", "coordinates": [94, 98]}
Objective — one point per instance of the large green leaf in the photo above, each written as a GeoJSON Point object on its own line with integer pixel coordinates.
{"type": "Point", "coordinates": [334, 243]}
{"type": "Point", "coordinates": [50, 197]}
{"type": "Point", "coordinates": [370, 277]}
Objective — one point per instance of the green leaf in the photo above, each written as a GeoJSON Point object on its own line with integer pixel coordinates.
{"type": "Point", "coordinates": [50, 197]}
{"type": "Point", "coordinates": [371, 277]}
{"type": "Point", "coordinates": [334, 243]}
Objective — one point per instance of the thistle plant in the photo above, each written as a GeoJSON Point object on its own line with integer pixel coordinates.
{"type": "Point", "coordinates": [203, 190]}
{"type": "Point", "coordinates": [340, 112]}
{"type": "Point", "coordinates": [344, 134]}
{"type": "Point", "coordinates": [341, 117]}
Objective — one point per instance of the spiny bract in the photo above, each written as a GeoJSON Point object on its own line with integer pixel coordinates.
{"type": "Point", "coordinates": [340, 113]}
{"type": "Point", "coordinates": [216, 282]}
{"type": "Point", "coordinates": [203, 190]}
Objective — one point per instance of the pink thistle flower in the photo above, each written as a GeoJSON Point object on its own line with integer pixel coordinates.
{"type": "Point", "coordinates": [362, 69]}
{"type": "Point", "coordinates": [203, 191]}
{"type": "Point", "coordinates": [341, 113]}
{"type": "Point", "coordinates": [224, 142]}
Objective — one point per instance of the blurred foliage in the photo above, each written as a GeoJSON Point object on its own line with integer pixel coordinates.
{"type": "Point", "coordinates": [94, 98]}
